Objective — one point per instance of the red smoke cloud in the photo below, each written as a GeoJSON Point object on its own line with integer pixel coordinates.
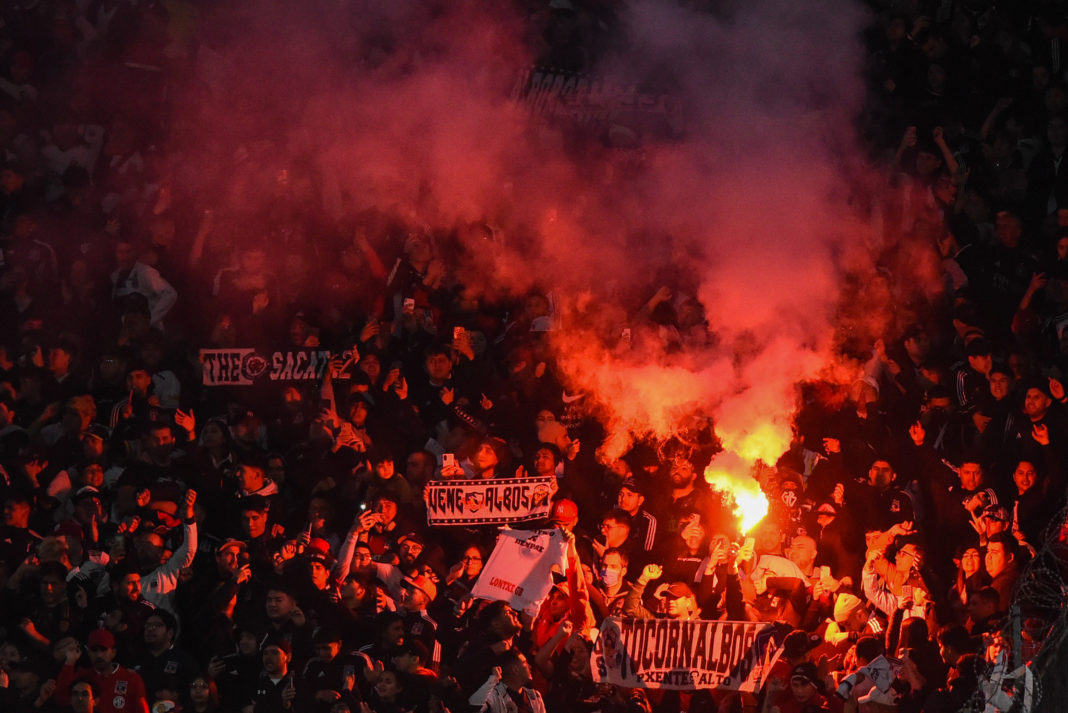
{"type": "Point", "coordinates": [405, 106]}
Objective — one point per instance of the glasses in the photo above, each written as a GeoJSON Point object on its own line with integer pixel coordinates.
{"type": "Point", "coordinates": [470, 559]}
{"type": "Point", "coordinates": [610, 526]}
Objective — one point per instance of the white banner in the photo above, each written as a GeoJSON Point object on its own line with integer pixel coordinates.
{"type": "Point", "coordinates": [684, 655]}
{"type": "Point", "coordinates": [520, 569]}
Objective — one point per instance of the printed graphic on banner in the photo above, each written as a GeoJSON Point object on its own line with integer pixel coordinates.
{"type": "Point", "coordinates": [480, 502]}
{"type": "Point", "coordinates": [681, 655]}
{"type": "Point", "coordinates": [244, 367]}
{"type": "Point", "coordinates": [519, 571]}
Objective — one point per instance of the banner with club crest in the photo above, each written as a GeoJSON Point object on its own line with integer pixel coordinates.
{"type": "Point", "coordinates": [485, 502]}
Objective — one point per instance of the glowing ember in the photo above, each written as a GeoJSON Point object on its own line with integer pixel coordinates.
{"type": "Point", "coordinates": [732, 475]}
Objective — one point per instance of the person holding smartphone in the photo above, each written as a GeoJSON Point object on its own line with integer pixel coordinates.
{"type": "Point", "coordinates": [331, 675]}
{"type": "Point", "coordinates": [276, 689]}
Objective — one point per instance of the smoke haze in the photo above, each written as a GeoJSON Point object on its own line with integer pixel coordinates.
{"type": "Point", "coordinates": [738, 201]}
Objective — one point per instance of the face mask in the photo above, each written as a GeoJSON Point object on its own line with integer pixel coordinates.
{"type": "Point", "coordinates": [610, 577]}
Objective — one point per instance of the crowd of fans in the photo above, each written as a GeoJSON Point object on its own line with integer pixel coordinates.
{"type": "Point", "coordinates": [176, 546]}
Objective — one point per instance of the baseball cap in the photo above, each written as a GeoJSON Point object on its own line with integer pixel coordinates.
{"type": "Point", "coordinates": [798, 643]}
{"type": "Point", "coordinates": [423, 584]}
{"type": "Point", "coordinates": [98, 430]}
{"type": "Point", "coordinates": [560, 582]}
{"type": "Point", "coordinates": [101, 637]}
{"type": "Point", "coordinates": [413, 647]}
{"type": "Point", "coordinates": [86, 491]}
{"type": "Point", "coordinates": [316, 556]}
{"type": "Point", "coordinates": [806, 672]}
{"type": "Point", "coordinates": [564, 510]}
{"type": "Point", "coordinates": [996, 512]}
{"type": "Point", "coordinates": [633, 486]}
{"type": "Point", "coordinates": [677, 590]}
{"type": "Point", "coordinates": [237, 544]}
{"type": "Point", "coordinates": [413, 537]}
{"type": "Point", "coordinates": [318, 544]}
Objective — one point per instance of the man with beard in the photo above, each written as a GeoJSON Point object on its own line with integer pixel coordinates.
{"type": "Point", "coordinates": [356, 556]}
{"type": "Point", "coordinates": [160, 578]}
{"type": "Point", "coordinates": [121, 690]}
{"type": "Point", "coordinates": [419, 593]}
{"type": "Point", "coordinates": [486, 461]}
{"type": "Point", "coordinates": [275, 687]}
{"type": "Point", "coordinates": [689, 494]}
{"type": "Point", "coordinates": [125, 610]}
{"type": "Point", "coordinates": [1040, 412]}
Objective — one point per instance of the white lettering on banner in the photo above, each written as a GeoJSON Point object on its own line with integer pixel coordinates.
{"type": "Point", "coordinates": [477, 502]}
{"type": "Point", "coordinates": [685, 655]}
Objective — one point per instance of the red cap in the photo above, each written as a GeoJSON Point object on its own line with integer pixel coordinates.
{"type": "Point", "coordinates": [101, 637]}
{"type": "Point", "coordinates": [564, 510]}
{"type": "Point", "coordinates": [319, 545]}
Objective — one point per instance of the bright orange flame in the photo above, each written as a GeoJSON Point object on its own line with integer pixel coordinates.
{"type": "Point", "coordinates": [731, 475]}
{"type": "Point", "coordinates": [765, 442]}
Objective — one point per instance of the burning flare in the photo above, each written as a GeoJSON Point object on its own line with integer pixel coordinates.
{"type": "Point", "coordinates": [733, 471]}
